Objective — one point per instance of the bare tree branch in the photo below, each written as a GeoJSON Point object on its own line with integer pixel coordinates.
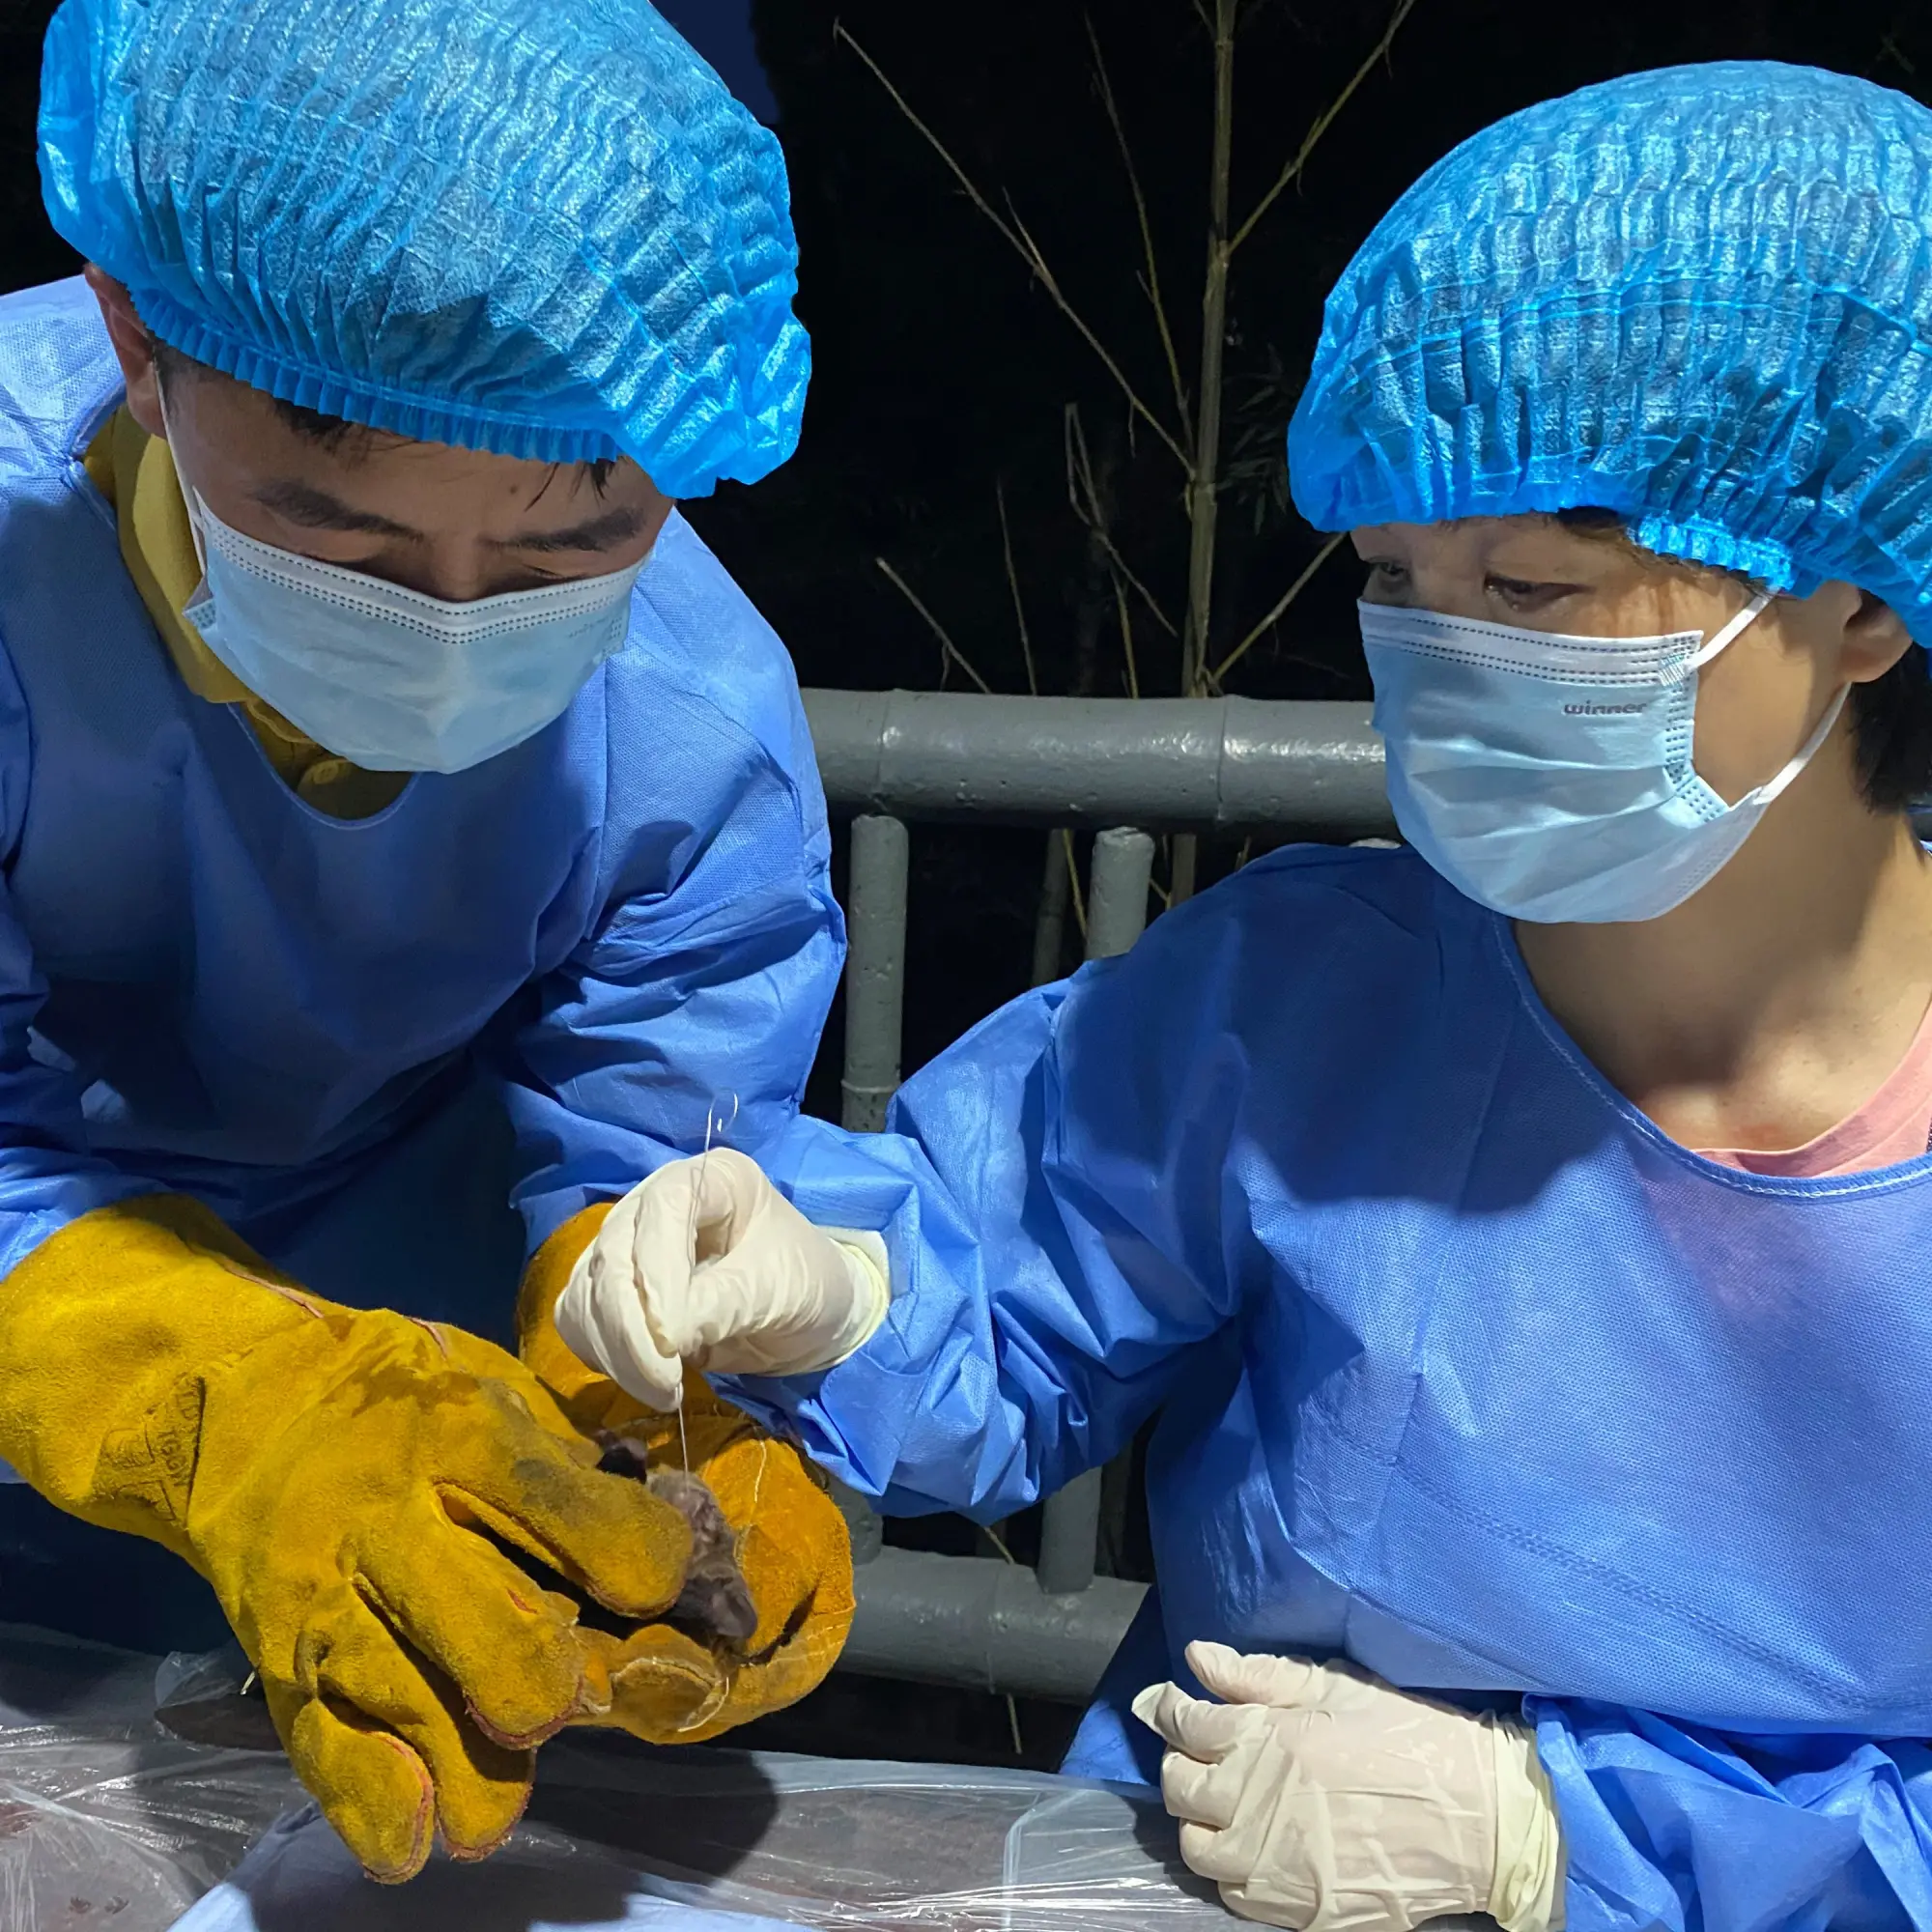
{"type": "Point", "coordinates": [1073, 880]}
{"type": "Point", "coordinates": [939, 629]}
{"type": "Point", "coordinates": [1022, 243]}
{"type": "Point", "coordinates": [1323, 123]}
{"type": "Point", "coordinates": [1091, 513]}
{"type": "Point", "coordinates": [1126, 617]}
{"type": "Point", "coordinates": [1203, 484]}
{"type": "Point", "coordinates": [1150, 281]}
{"type": "Point", "coordinates": [1120, 564]}
{"type": "Point", "coordinates": [1274, 617]}
{"type": "Point", "coordinates": [1013, 583]}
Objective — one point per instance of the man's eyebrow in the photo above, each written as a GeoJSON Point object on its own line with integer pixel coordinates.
{"type": "Point", "coordinates": [317, 510]}
{"type": "Point", "coordinates": [614, 525]}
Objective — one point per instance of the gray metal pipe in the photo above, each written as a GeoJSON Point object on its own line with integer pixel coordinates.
{"type": "Point", "coordinates": [1069, 1536]}
{"type": "Point", "coordinates": [875, 919]}
{"type": "Point", "coordinates": [1116, 908]}
{"type": "Point", "coordinates": [986, 1625]}
{"type": "Point", "coordinates": [1117, 898]}
{"type": "Point", "coordinates": [863, 1525]}
{"type": "Point", "coordinates": [1224, 763]}
{"type": "Point", "coordinates": [874, 970]}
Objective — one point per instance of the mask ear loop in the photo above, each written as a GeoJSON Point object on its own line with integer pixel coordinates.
{"type": "Point", "coordinates": [1807, 752]}
{"type": "Point", "coordinates": [1771, 788]}
{"type": "Point", "coordinates": [191, 500]}
{"type": "Point", "coordinates": [1731, 633]}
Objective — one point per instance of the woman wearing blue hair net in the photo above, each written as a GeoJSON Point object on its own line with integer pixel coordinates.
{"type": "Point", "coordinates": [1521, 1236]}
{"type": "Point", "coordinates": [402, 811]}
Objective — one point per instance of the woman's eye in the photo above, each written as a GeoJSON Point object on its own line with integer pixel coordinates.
{"type": "Point", "coordinates": [1387, 575]}
{"type": "Point", "coordinates": [1515, 590]}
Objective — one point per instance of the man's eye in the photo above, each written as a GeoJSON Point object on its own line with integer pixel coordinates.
{"type": "Point", "coordinates": [1381, 571]}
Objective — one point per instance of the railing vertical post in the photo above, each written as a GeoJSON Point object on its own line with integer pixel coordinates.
{"type": "Point", "coordinates": [875, 917]}
{"type": "Point", "coordinates": [875, 921]}
{"type": "Point", "coordinates": [1116, 900]}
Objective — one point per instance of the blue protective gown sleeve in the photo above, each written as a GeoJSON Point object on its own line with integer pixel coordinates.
{"type": "Point", "coordinates": [47, 1176]}
{"type": "Point", "coordinates": [1040, 1313]}
{"type": "Point", "coordinates": [695, 1009]}
{"type": "Point", "coordinates": [1669, 1825]}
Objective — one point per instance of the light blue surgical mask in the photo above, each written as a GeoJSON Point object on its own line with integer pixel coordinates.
{"type": "Point", "coordinates": [1549, 776]}
{"type": "Point", "coordinates": [389, 679]}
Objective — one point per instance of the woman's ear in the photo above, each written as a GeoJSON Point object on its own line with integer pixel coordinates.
{"type": "Point", "coordinates": [1875, 639]}
{"type": "Point", "coordinates": [134, 348]}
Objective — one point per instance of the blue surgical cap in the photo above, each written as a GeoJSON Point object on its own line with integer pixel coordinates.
{"type": "Point", "coordinates": [538, 227]}
{"type": "Point", "coordinates": [1699, 297]}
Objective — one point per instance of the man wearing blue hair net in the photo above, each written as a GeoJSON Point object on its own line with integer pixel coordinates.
{"type": "Point", "coordinates": [1522, 1236]}
{"type": "Point", "coordinates": [401, 808]}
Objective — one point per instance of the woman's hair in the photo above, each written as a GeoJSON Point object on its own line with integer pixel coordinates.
{"type": "Point", "coordinates": [1891, 716]}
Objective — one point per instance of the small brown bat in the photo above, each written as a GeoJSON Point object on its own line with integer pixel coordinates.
{"type": "Point", "coordinates": [715, 1603]}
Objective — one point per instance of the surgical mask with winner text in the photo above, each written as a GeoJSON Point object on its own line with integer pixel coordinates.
{"type": "Point", "coordinates": [391, 679]}
{"type": "Point", "coordinates": [1550, 777]}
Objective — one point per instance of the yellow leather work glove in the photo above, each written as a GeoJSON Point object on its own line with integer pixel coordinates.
{"type": "Point", "coordinates": [348, 1483]}
{"type": "Point", "coordinates": [792, 1545]}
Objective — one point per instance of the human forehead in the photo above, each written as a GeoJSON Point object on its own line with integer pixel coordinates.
{"type": "Point", "coordinates": [1531, 546]}
{"type": "Point", "coordinates": [393, 477]}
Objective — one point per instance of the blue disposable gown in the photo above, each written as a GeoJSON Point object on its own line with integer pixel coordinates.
{"type": "Point", "coordinates": [208, 985]}
{"type": "Point", "coordinates": [1463, 1370]}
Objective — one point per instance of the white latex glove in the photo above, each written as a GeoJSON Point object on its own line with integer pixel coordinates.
{"type": "Point", "coordinates": [736, 1280]}
{"type": "Point", "coordinates": [1319, 1798]}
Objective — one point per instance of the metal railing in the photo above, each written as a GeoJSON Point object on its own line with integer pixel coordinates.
{"type": "Point", "coordinates": [1124, 768]}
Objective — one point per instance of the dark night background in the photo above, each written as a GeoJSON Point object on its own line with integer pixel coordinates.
{"type": "Point", "coordinates": [944, 375]}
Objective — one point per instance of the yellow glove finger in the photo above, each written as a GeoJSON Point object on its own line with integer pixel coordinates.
{"type": "Point", "coordinates": [480, 1788]}
{"type": "Point", "coordinates": [372, 1787]}
{"type": "Point", "coordinates": [665, 1686]}
{"type": "Point", "coordinates": [491, 1630]}
{"type": "Point", "coordinates": [487, 1363]}
{"type": "Point", "coordinates": [795, 1669]}
{"type": "Point", "coordinates": [611, 1538]}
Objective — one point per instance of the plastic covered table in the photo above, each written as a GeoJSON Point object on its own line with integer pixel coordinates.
{"type": "Point", "coordinates": [128, 1802]}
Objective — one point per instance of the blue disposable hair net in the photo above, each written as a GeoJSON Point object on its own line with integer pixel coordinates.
{"type": "Point", "coordinates": [1699, 297]}
{"type": "Point", "coordinates": [538, 227]}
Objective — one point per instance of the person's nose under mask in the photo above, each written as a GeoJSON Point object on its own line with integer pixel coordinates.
{"type": "Point", "coordinates": [393, 679]}
{"type": "Point", "coordinates": [1550, 778]}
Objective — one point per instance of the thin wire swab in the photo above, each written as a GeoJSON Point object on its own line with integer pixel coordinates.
{"type": "Point", "coordinates": [713, 1130]}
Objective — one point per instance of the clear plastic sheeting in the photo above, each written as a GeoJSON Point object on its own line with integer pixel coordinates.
{"type": "Point", "coordinates": [107, 1819]}
{"type": "Point", "coordinates": [843, 1845]}
{"type": "Point", "coordinates": [125, 1802]}
{"type": "Point", "coordinates": [123, 1832]}
{"type": "Point", "coordinates": [628, 1838]}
